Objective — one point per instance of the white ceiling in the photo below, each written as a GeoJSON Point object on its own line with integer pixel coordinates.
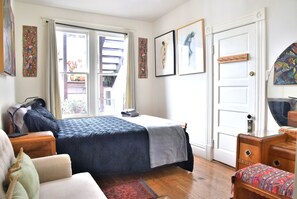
{"type": "Point", "coordinates": [148, 10]}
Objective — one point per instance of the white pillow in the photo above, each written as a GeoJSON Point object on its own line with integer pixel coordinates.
{"type": "Point", "coordinates": [18, 116]}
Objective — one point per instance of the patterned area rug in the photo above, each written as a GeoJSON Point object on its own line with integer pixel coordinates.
{"type": "Point", "coordinates": [129, 190]}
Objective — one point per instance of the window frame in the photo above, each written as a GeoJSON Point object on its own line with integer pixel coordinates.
{"type": "Point", "coordinates": [93, 73]}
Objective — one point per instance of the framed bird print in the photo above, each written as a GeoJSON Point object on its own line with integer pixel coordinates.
{"type": "Point", "coordinates": [191, 50]}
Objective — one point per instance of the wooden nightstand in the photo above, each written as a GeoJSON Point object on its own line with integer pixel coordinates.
{"type": "Point", "coordinates": [35, 145]}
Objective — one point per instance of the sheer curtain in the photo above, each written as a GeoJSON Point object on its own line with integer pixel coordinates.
{"type": "Point", "coordinates": [130, 85]}
{"type": "Point", "coordinates": [52, 73]}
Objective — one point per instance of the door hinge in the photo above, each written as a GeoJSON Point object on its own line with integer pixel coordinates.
{"type": "Point", "coordinates": [213, 142]}
{"type": "Point", "coordinates": [212, 49]}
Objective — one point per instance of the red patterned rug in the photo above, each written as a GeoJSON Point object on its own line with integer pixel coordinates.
{"type": "Point", "coordinates": [129, 190]}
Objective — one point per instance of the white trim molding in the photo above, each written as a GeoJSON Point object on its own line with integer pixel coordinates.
{"type": "Point", "coordinates": [199, 150]}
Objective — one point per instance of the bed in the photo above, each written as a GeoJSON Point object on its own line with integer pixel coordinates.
{"type": "Point", "coordinates": [107, 145]}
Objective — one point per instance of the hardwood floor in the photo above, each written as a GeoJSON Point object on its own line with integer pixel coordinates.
{"type": "Point", "coordinates": [209, 180]}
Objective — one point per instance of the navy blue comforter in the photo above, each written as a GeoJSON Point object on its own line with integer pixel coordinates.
{"type": "Point", "coordinates": [106, 145]}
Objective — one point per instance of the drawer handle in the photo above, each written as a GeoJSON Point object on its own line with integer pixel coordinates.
{"type": "Point", "coordinates": [276, 163]}
{"type": "Point", "coordinates": [248, 152]}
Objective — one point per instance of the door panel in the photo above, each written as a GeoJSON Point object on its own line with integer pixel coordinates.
{"type": "Point", "coordinates": [234, 90]}
{"type": "Point", "coordinates": [239, 44]}
{"type": "Point", "coordinates": [226, 95]}
{"type": "Point", "coordinates": [233, 71]}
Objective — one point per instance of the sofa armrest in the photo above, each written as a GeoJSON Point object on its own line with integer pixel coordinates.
{"type": "Point", "coordinates": [54, 167]}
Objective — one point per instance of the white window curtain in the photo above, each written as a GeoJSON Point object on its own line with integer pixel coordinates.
{"type": "Point", "coordinates": [130, 86]}
{"type": "Point", "coordinates": [52, 74]}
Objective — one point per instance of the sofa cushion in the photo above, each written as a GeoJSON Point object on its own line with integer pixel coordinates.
{"type": "Point", "coordinates": [28, 175]}
{"type": "Point", "coordinates": [16, 190]}
{"type": "Point", "coordinates": [80, 185]}
{"type": "Point", "coordinates": [58, 165]}
{"type": "Point", "coordinates": [6, 159]}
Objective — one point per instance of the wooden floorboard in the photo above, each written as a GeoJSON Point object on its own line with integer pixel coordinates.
{"type": "Point", "coordinates": [209, 180]}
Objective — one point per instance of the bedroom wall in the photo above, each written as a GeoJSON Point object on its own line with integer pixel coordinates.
{"type": "Point", "coordinates": [29, 14]}
{"type": "Point", "coordinates": [7, 90]}
{"type": "Point", "coordinates": [185, 97]}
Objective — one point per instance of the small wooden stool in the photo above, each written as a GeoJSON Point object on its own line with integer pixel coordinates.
{"type": "Point", "coordinates": [262, 181]}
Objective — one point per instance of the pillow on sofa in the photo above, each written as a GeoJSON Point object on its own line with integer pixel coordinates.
{"type": "Point", "coordinates": [16, 190]}
{"type": "Point", "coordinates": [37, 122]}
{"type": "Point", "coordinates": [28, 176]}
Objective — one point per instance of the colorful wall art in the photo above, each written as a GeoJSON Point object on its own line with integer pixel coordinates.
{"type": "Point", "coordinates": [29, 51]}
{"type": "Point", "coordinates": [142, 57]}
{"type": "Point", "coordinates": [285, 67]}
{"type": "Point", "coordinates": [7, 35]}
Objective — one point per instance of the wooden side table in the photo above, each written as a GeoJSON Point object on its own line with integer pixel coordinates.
{"type": "Point", "coordinates": [37, 144]}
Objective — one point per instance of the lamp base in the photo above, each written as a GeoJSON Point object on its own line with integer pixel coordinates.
{"type": "Point", "coordinates": [14, 135]}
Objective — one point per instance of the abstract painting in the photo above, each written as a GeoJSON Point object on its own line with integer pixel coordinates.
{"type": "Point", "coordinates": [142, 57]}
{"type": "Point", "coordinates": [29, 51]}
{"type": "Point", "coordinates": [190, 44]}
{"type": "Point", "coordinates": [165, 54]}
{"type": "Point", "coordinates": [285, 67]}
{"type": "Point", "coordinates": [8, 40]}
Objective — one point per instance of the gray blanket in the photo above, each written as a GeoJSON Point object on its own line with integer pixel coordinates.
{"type": "Point", "coordinates": [167, 140]}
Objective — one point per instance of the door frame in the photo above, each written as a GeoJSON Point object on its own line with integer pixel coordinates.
{"type": "Point", "coordinates": [259, 18]}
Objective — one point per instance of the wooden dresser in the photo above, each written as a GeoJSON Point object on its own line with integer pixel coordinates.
{"type": "Point", "coordinates": [276, 150]}
{"type": "Point", "coordinates": [37, 144]}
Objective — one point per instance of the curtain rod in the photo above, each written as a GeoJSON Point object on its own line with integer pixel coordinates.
{"type": "Point", "coordinates": [88, 28]}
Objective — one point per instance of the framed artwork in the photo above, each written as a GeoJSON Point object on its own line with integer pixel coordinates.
{"type": "Point", "coordinates": [191, 50]}
{"type": "Point", "coordinates": [29, 51]}
{"type": "Point", "coordinates": [7, 35]}
{"type": "Point", "coordinates": [165, 54]}
{"type": "Point", "coordinates": [142, 57]}
{"type": "Point", "coordinates": [285, 67]}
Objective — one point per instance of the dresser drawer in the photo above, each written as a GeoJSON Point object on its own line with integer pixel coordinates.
{"type": "Point", "coordinates": [248, 154]}
{"type": "Point", "coordinates": [282, 163]}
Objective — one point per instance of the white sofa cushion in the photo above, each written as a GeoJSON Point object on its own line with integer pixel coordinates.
{"type": "Point", "coordinates": [6, 158]}
{"type": "Point", "coordinates": [79, 186]}
{"type": "Point", "coordinates": [53, 167]}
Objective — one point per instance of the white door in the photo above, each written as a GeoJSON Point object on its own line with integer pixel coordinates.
{"type": "Point", "coordinates": [234, 89]}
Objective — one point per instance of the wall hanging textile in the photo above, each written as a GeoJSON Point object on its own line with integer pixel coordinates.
{"type": "Point", "coordinates": [29, 51]}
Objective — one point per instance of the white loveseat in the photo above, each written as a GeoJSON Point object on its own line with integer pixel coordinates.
{"type": "Point", "coordinates": [55, 175]}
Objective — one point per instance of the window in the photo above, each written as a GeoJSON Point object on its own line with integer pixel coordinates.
{"type": "Point", "coordinates": [92, 68]}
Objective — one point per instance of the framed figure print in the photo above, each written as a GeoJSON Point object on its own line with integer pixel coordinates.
{"type": "Point", "coordinates": [191, 51]}
{"type": "Point", "coordinates": [165, 54]}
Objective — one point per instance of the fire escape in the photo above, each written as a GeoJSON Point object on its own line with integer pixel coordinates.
{"type": "Point", "coordinates": [110, 61]}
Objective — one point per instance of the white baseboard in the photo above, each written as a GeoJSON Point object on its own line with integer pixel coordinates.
{"type": "Point", "coordinates": [199, 150]}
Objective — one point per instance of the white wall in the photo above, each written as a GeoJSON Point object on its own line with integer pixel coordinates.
{"type": "Point", "coordinates": [28, 14]}
{"type": "Point", "coordinates": [185, 97]}
{"type": "Point", "coordinates": [7, 98]}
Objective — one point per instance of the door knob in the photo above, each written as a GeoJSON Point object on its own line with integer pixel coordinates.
{"type": "Point", "coordinates": [252, 73]}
